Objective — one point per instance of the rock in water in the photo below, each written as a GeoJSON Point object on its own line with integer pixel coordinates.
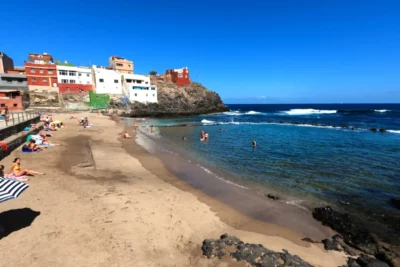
{"type": "Point", "coordinates": [253, 254]}
{"type": "Point", "coordinates": [274, 197]}
{"type": "Point", "coordinates": [396, 202]}
{"type": "Point", "coordinates": [344, 224]}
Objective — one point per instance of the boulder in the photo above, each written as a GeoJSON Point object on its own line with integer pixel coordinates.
{"type": "Point", "coordinates": [274, 197]}
{"type": "Point", "coordinates": [396, 202]}
{"type": "Point", "coordinates": [373, 130]}
{"type": "Point", "coordinates": [382, 130]}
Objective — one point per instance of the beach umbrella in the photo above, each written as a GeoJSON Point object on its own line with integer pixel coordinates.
{"type": "Point", "coordinates": [11, 188]}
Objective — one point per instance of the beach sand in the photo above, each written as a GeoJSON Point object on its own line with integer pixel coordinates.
{"type": "Point", "coordinates": [107, 202]}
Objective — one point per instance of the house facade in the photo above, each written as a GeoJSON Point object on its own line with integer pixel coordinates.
{"type": "Point", "coordinates": [73, 79]}
{"type": "Point", "coordinates": [107, 81]}
{"type": "Point", "coordinates": [121, 64]}
{"type": "Point", "coordinates": [11, 90]}
{"type": "Point", "coordinates": [6, 63]}
{"type": "Point", "coordinates": [178, 76]}
{"type": "Point", "coordinates": [41, 73]}
{"type": "Point", "coordinates": [139, 88]}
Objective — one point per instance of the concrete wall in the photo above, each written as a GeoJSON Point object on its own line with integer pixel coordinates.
{"type": "Point", "coordinates": [6, 63]}
{"type": "Point", "coordinates": [13, 81]}
{"type": "Point", "coordinates": [13, 142]}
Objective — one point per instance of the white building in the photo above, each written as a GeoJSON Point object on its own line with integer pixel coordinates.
{"type": "Point", "coordinates": [79, 75]}
{"type": "Point", "coordinates": [138, 88]}
{"type": "Point", "coordinates": [107, 81]}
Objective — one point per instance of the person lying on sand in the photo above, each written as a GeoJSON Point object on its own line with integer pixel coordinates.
{"type": "Point", "coordinates": [32, 146]}
{"type": "Point", "coordinates": [18, 172]}
{"type": "Point", "coordinates": [46, 141]}
{"type": "Point", "coordinates": [1, 170]}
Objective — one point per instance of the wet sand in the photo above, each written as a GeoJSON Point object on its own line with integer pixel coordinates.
{"type": "Point", "coordinates": [107, 202]}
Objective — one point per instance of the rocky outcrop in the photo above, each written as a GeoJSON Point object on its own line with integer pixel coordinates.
{"type": "Point", "coordinates": [253, 254]}
{"type": "Point", "coordinates": [173, 101]}
{"type": "Point", "coordinates": [396, 202]}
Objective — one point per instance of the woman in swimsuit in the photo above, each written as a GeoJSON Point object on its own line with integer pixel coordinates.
{"type": "Point", "coordinates": [31, 145]}
{"type": "Point", "coordinates": [18, 172]}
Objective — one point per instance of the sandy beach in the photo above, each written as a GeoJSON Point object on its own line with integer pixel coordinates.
{"type": "Point", "coordinates": [105, 201]}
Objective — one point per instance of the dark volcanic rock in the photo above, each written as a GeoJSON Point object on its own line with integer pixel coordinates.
{"type": "Point", "coordinates": [337, 243]}
{"type": "Point", "coordinates": [382, 130]}
{"type": "Point", "coordinates": [253, 254]}
{"type": "Point", "coordinates": [373, 130]}
{"type": "Point", "coordinates": [174, 101]}
{"type": "Point", "coordinates": [274, 197]}
{"type": "Point", "coordinates": [344, 224]}
{"type": "Point", "coordinates": [364, 261]}
{"type": "Point", "coordinates": [396, 202]}
{"type": "Point", "coordinates": [307, 239]}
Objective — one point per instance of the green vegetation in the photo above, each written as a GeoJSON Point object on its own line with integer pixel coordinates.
{"type": "Point", "coordinates": [58, 62]}
{"type": "Point", "coordinates": [153, 73]}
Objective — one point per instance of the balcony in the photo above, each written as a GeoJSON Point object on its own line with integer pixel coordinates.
{"type": "Point", "coordinates": [13, 82]}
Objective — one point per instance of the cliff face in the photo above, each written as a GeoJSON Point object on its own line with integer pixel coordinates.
{"type": "Point", "coordinates": [175, 101]}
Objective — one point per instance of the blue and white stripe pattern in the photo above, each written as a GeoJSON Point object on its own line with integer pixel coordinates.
{"type": "Point", "coordinates": [11, 188]}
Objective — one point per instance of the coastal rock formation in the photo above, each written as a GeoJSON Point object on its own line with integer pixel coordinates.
{"type": "Point", "coordinates": [355, 236]}
{"type": "Point", "coordinates": [274, 197]}
{"type": "Point", "coordinates": [174, 101]}
{"type": "Point", "coordinates": [365, 261]}
{"type": "Point", "coordinates": [253, 254]}
{"type": "Point", "coordinates": [396, 202]}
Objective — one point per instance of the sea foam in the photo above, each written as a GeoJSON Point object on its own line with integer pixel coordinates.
{"type": "Point", "coordinates": [308, 111]}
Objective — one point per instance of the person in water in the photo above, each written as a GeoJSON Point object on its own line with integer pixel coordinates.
{"type": "Point", "coordinates": [254, 143]}
{"type": "Point", "coordinates": [184, 138]}
{"type": "Point", "coordinates": [206, 136]}
{"type": "Point", "coordinates": [202, 136]}
{"type": "Point", "coordinates": [18, 172]}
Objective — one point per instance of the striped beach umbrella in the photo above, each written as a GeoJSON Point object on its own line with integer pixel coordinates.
{"type": "Point", "coordinates": [11, 188]}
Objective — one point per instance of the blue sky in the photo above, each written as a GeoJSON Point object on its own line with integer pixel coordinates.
{"type": "Point", "coordinates": [282, 51]}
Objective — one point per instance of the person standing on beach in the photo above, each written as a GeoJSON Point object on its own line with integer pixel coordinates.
{"type": "Point", "coordinates": [135, 125]}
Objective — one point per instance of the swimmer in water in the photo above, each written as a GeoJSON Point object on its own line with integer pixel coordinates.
{"type": "Point", "coordinates": [206, 136]}
{"type": "Point", "coordinates": [219, 130]}
{"type": "Point", "coordinates": [184, 138]}
{"type": "Point", "coordinates": [254, 143]}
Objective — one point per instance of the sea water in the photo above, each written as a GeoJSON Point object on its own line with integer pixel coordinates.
{"type": "Point", "coordinates": [312, 154]}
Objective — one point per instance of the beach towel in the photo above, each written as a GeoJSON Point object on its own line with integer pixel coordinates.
{"type": "Point", "coordinates": [27, 128]}
{"type": "Point", "coordinates": [28, 150]}
{"type": "Point", "coordinates": [4, 146]}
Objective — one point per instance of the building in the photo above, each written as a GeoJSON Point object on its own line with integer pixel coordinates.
{"type": "Point", "coordinates": [139, 88]}
{"type": "Point", "coordinates": [107, 81]}
{"type": "Point", "coordinates": [6, 63]}
{"type": "Point", "coordinates": [11, 91]}
{"type": "Point", "coordinates": [178, 76]}
{"type": "Point", "coordinates": [17, 70]}
{"type": "Point", "coordinates": [73, 79]}
{"type": "Point", "coordinates": [41, 73]}
{"type": "Point", "coordinates": [121, 64]}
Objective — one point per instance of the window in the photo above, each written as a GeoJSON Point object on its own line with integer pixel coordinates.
{"type": "Point", "coordinates": [9, 81]}
{"type": "Point", "coordinates": [120, 65]}
{"type": "Point", "coordinates": [72, 73]}
{"type": "Point", "coordinates": [62, 72]}
{"type": "Point", "coordinates": [50, 71]}
{"type": "Point", "coordinates": [44, 80]}
{"type": "Point", "coordinates": [135, 95]}
{"type": "Point", "coordinates": [146, 82]}
{"type": "Point", "coordinates": [71, 81]}
{"type": "Point", "coordinates": [33, 70]}
{"type": "Point", "coordinates": [79, 74]}
{"type": "Point", "coordinates": [88, 75]}
{"type": "Point", "coordinates": [115, 81]}
{"type": "Point", "coordinates": [153, 88]}
{"type": "Point", "coordinates": [64, 81]}
{"type": "Point", "coordinates": [33, 79]}
{"type": "Point", "coordinates": [88, 82]}
{"type": "Point", "coordinates": [20, 80]}
{"type": "Point", "coordinates": [15, 105]}
{"type": "Point", "coordinates": [41, 71]}
{"type": "Point", "coordinates": [154, 95]}
{"type": "Point", "coordinates": [138, 81]}
{"type": "Point", "coordinates": [128, 80]}
{"type": "Point", "coordinates": [101, 80]}
{"type": "Point", "coordinates": [3, 105]}
{"type": "Point", "coordinates": [180, 75]}
{"type": "Point", "coordinates": [147, 95]}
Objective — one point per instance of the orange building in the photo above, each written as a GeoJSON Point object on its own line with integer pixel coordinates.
{"type": "Point", "coordinates": [41, 72]}
{"type": "Point", "coordinates": [121, 64]}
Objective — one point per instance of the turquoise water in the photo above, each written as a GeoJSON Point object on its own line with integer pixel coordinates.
{"type": "Point", "coordinates": [319, 154]}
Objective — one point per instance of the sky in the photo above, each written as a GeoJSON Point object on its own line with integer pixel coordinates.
{"type": "Point", "coordinates": [281, 51]}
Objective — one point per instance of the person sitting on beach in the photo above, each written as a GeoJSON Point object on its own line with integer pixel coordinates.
{"type": "Point", "coordinates": [32, 146]}
{"type": "Point", "coordinates": [1, 170]}
{"type": "Point", "coordinates": [254, 143]}
{"type": "Point", "coordinates": [18, 172]}
{"type": "Point", "coordinates": [126, 135]}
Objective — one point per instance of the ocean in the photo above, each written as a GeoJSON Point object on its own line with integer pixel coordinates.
{"type": "Point", "coordinates": [309, 154]}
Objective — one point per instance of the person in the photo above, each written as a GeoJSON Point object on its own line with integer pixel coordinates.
{"type": "Point", "coordinates": [184, 138]}
{"type": "Point", "coordinates": [126, 135]}
{"type": "Point", "coordinates": [1, 170]}
{"type": "Point", "coordinates": [224, 130]}
{"type": "Point", "coordinates": [254, 143]}
{"type": "Point", "coordinates": [206, 136]}
{"type": "Point", "coordinates": [18, 172]}
{"type": "Point", "coordinates": [3, 114]}
{"type": "Point", "coordinates": [32, 146]}
{"type": "Point", "coordinates": [219, 130]}
{"type": "Point", "coordinates": [202, 136]}
{"type": "Point", "coordinates": [151, 128]}
{"type": "Point", "coordinates": [135, 124]}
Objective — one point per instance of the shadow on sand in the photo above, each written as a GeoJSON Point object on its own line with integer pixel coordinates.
{"type": "Point", "coordinates": [14, 220]}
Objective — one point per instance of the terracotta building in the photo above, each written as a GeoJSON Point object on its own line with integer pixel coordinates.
{"type": "Point", "coordinates": [11, 90]}
{"type": "Point", "coordinates": [6, 63]}
{"type": "Point", "coordinates": [121, 64]}
{"type": "Point", "coordinates": [41, 72]}
{"type": "Point", "coordinates": [178, 76]}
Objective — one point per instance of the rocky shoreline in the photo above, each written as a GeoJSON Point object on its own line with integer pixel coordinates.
{"type": "Point", "coordinates": [363, 249]}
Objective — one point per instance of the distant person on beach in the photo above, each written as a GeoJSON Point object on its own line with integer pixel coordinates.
{"type": "Point", "coordinates": [127, 136]}
{"type": "Point", "coordinates": [32, 146]}
{"type": "Point", "coordinates": [18, 172]}
{"type": "Point", "coordinates": [135, 125]}
{"type": "Point", "coordinates": [151, 128]}
{"type": "Point", "coordinates": [254, 143]}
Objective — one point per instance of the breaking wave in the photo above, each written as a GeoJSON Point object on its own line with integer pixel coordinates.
{"type": "Point", "coordinates": [308, 111]}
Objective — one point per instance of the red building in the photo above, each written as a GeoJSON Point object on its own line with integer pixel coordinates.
{"type": "Point", "coordinates": [41, 72]}
{"type": "Point", "coordinates": [178, 76]}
